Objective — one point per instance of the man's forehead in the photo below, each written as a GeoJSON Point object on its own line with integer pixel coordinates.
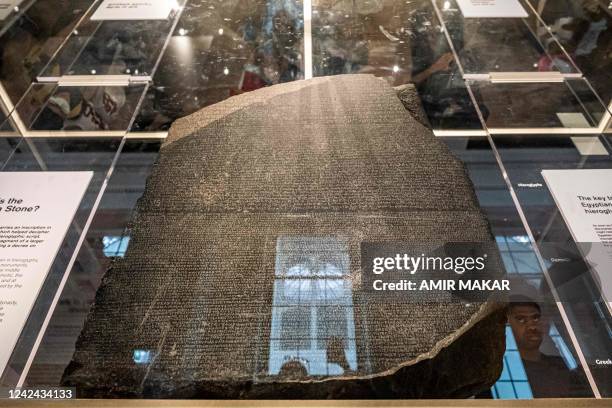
{"type": "Point", "coordinates": [524, 310]}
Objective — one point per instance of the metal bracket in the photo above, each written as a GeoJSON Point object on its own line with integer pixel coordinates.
{"type": "Point", "coordinates": [521, 77]}
{"type": "Point", "coordinates": [96, 80]}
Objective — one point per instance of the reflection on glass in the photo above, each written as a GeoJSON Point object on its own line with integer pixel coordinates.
{"type": "Point", "coordinates": [108, 227]}
{"type": "Point", "coordinates": [60, 154]}
{"type": "Point", "coordinates": [128, 48]}
{"type": "Point", "coordinates": [574, 279]}
{"type": "Point", "coordinates": [551, 373]}
{"type": "Point", "coordinates": [361, 37]}
{"type": "Point", "coordinates": [9, 136]}
{"type": "Point", "coordinates": [30, 35]}
{"type": "Point", "coordinates": [72, 108]}
{"type": "Point", "coordinates": [115, 246]}
{"type": "Point", "coordinates": [107, 47]}
{"type": "Point", "coordinates": [313, 329]}
{"type": "Point", "coordinates": [562, 347]}
{"type": "Point", "coordinates": [518, 256]}
{"type": "Point", "coordinates": [584, 29]}
{"type": "Point", "coordinates": [142, 356]}
{"type": "Point", "coordinates": [513, 382]}
{"type": "Point", "coordinates": [487, 45]}
{"type": "Point", "coordinates": [219, 50]}
{"type": "Point", "coordinates": [538, 105]}
{"type": "Point", "coordinates": [397, 40]}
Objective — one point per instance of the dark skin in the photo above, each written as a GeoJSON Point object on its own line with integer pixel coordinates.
{"type": "Point", "coordinates": [528, 328]}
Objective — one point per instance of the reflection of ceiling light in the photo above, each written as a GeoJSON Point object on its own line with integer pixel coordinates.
{"type": "Point", "coordinates": [225, 71]}
{"type": "Point", "coordinates": [395, 68]}
{"type": "Point", "coordinates": [220, 31]}
{"type": "Point", "coordinates": [182, 31]}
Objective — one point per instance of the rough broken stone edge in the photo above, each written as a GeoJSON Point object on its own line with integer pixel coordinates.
{"type": "Point", "coordinates": [182, 128]}
{"type": "Point", "coordinates": [485, 310]}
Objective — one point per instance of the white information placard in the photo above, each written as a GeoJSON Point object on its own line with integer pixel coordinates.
{"type": "Point", "coordinates": [584, 198]}
{"type": "Point", "coordinates": [134, 10]}
{"type": "Point", "coordinates": [491, 9]}
{"type": "Point", "coordinates": [36, 209]}
{"type": "Point", "coordinates": [7, 7]}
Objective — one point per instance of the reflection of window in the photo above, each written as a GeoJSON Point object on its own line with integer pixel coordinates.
{"type": "Point", "coordinates": [564, 351]}
{"type": "Point", "coordinates": [517, 254]}
{"type": "Point", "coordinates": [142, 356]}
{"type": "Point", "coordinates": [312, 313]}
{"type": "Point", "coordinates": [331, 323]}
{"type": "Point", "coordinates": [113, 246]}
{"type": "Point", "coordinates": [295, 328]}
{"type": "Point", "coordinates": [513, 382]}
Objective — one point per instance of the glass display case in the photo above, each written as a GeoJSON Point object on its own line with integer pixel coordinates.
{"type": "Point", "coordinates": [216, 179]}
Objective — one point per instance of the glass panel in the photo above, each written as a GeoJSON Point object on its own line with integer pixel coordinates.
{"type": "Point", "coordinates": [371, 37]}
{"type": "Point", "coordinates": [220, 49]}
{"type": "Point", "coordinates": [487, 45]}
{"type": "Point", "coordinates": [523, 378]}
{"type": "Point", "coordinates": [584, 28]}
{"type": "Point", "coordinates": [72, 108]}
{"type": "Point", "coordinates": [579, 282]}
{"type": "Point", "coordinates": [30, 37]}
{"type": "Point", "coordinates": [596, 109]}
{"type": "Point", "coordinates": [64, 154]}
{"type": "Point", "coordinates": [109, 224]}
{"type": "Point", "coordinates": [7, 147]}
{"type": "Point", "coordinates": [9, 137]}
{"type": "Point", "coordinates": [112, 47]}
{"type": "Point", "coordinates": [399, 41]}
{"type": "Point", "coordinates": [538, 105]}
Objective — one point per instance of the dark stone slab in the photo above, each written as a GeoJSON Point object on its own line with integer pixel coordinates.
{"type": "Point", "coordinates": [243, 275]}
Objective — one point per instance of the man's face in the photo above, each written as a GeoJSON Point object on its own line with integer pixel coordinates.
{"type": "Point", "coordinates": [527, 326]}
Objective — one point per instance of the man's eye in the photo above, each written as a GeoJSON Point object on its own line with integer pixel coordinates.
{"type": "Point", "coordinates": [521, 320]}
